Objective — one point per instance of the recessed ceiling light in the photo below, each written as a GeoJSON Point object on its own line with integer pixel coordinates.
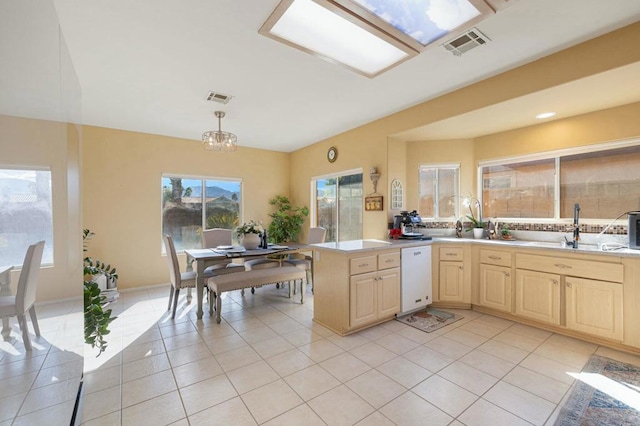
{"type": "Point", "coordinates": [545, 115]}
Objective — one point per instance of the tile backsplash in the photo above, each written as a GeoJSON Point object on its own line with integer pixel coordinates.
{"type": "Point", "coordinates": [539, 227]}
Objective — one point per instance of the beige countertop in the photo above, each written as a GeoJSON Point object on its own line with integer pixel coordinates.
{"type": "Point", "coordinates": [373, 245]}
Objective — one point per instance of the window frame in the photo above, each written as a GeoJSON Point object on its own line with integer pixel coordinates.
{"type": "Point", "coordinates": [556, 155]}
{"type": "Point", "coordinates": [203, 179]}
{"type": "Point", "coordinates": [314, 195]}
{"type": "Point", "coordinates": [436, 201]}
{"type": "Point", "coordinates": [49, 246]}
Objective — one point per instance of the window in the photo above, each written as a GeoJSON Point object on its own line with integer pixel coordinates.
{"type": "Point", "coordinates": [25, 214]}
{"type": "Point", "coordinates": [338, 206]}
{"type": "Point", "coordinates": [524, 189]}
{"type": "Point", "coordinates": [190, 205]}
{"type": "Point", "coordinates": [439, 191]}
{"type": "Point", "coordinates": [605, 183]}
{"type": "Point", "coordinates": [603, 179]}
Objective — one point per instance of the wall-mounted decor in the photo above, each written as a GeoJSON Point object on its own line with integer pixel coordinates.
{"type": "Point", "coordinates": [397, 195]}
{"type": "Point", "coordinates": [373, 203]}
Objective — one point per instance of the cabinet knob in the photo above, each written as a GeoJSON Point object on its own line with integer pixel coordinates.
{"type": "Point", "coordinates": [569, 285]}
{"type": "Point", "coordinates": [460, 267]}
{"type": "Point", "coordinates": [507, 274]}
{"type": "Point", "coordinates": [555, 282]}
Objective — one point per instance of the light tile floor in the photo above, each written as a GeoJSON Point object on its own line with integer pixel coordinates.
{"type": "Point", "coordinates": [269, 363]}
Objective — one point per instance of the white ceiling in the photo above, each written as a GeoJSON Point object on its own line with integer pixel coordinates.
{"type": "Point", "coordinates": [146, 66]}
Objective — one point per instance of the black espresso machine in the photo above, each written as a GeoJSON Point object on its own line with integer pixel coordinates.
{"type": "Point", "coordinates": [408, 222]}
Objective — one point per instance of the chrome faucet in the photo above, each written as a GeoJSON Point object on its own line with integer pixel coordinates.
{"type": "Point", "coordinates": [576, 226]}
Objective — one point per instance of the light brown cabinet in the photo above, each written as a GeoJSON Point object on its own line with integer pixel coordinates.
{"type": "Point", "coordinates": [374, 296]}
{"type": "Point", "coordinates": [594, 307]}
{"type": "Point", "coordinates": [451, 281]}
{"type": "Point", "coordinates": [496, 284]}
{"type": "Point", "coordinates": [592, 299]}
{"type": "Point", "coordinates": [538, 296]}
{"type": "Point", "coordinates": [354, 291]}
{"type": "Point", "coordinates": [495, 287]}
{"type": "Point", "coordinates": [451, 275]}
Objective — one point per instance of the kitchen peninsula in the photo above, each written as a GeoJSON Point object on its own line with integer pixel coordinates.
{"type": "Point", "coordinates": [585, 293]}
{"type": "Point", "coordinates": [357, 283]}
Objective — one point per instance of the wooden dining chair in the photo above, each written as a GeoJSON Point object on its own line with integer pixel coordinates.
{"type": "Point", "coordinates": [215, 237]}
{"type": "Point", "coordinates": [316, 236]}
{"type": "Point", "coordinates": [179, 280]}
{"type": "Point", "coordinates": [25, 299]}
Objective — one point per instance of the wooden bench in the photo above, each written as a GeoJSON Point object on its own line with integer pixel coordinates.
{"type": "Point", "coordinates": [253, 278]}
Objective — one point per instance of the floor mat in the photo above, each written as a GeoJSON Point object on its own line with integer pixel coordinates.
{"type": "Point", "coordinates": [606, 393]}
{"type": "Point", "coordinates": [429, 319]}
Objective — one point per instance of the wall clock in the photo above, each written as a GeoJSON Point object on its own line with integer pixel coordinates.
{"type": "Point", "coordinates": [332, 154]}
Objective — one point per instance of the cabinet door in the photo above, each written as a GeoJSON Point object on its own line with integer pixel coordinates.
{"type": "Point", "coordinates": [363, 304]}
{"type": "Point", "coordinates": [495, 287]}
{"type": "Point", "coordinates": [451, 282]}
{"type": "Point", "coordinates": [388, 292]}
{"type": "Point", "coordinates": [538, 295]}
{"type": "Point", "coordinates": [594, 307]}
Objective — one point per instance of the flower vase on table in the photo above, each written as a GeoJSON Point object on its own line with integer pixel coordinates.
{"type": "Point", "coordinates": [249, 234]}
{"type": "Point", "coordinates": [250, 241]}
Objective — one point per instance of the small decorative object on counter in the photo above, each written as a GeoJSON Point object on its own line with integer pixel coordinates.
{"type": "Point", "coordinates": [491, 230]}
{"type": "Point", "coordinates": [395, 233]}
{"type": "Point", "coordinates": [458, 229]}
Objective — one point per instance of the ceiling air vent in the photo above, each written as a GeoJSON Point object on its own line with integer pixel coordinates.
{"type": "Point", "coordinates": [466, 41]}
{"type": "Point", "coordinates": [218, 97]}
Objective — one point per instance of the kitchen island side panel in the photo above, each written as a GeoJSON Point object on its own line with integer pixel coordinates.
{"type": "Point", "coordinates": [331, 290]}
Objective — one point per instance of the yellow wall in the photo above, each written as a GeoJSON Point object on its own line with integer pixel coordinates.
{"type": "Point", "coordinates": [39, 143]}
{"type": "Point", "coordinates": [597, 127]}
{"type": "Point", "coordinates": [369, 145]}
{"type": "Point", "coordinates": [122, 193]}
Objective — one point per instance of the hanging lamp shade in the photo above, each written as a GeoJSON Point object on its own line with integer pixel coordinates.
{"type": "Point", "coordinates": [217, 140]}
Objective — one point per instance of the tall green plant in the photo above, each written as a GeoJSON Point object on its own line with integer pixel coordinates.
{"type": "Point", "coordinates": [287, 220]}
{"type": "Point", "coordinates": [96, 318]}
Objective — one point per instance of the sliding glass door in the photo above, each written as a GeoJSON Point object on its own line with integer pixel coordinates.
{"type": "Point", "coordinates": [338, 206]}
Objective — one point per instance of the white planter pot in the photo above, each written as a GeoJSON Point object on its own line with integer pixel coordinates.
{"type": "Point", "coordinates": [250, 241]}
{"type": "Point", "coordinates": [478, 233]}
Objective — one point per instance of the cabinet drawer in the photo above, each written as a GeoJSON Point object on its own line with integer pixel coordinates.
{"type": "Point", "coordinates": [573, 267]}
{"type": "Point", "coordinates": [451, 253]}
{"type": "Point", "coordinates": [360, 265]}
{"type": "Point", "coordinates": [495, 257]}
{"type": "Point", "coordinates": [389, 260]}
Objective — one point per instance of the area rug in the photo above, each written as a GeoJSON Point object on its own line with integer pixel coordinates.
{"type": "Point", "coordinates": [607, 392]}
{"type": "Point", "coordinates": [429, 319]}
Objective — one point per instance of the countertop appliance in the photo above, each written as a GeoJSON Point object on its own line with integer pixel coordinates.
{"type": "Point", "coordinates": [416, 278]}
{"type": "Point", "coordinates": [634, 230]}
{"type": "Point", "coordinates": [408, 221]}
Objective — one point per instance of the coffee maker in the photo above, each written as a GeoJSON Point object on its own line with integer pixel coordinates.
{"type": "Point", "coordinates": [407, 221]}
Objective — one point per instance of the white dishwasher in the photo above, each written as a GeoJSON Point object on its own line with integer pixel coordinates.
{"type": "Point", "coordinates": [416, 278]}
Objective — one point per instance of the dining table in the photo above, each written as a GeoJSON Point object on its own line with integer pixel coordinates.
{"type": "Point", "coordinates": [203, 258]}
{"type": "Point", "coordinates": [5, 290]}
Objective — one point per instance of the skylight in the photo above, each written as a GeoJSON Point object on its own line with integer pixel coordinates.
{"type": "Point", "coordinates": [423, 20]}
{"type": "Point", "coordinates": [369, 36]}
{"type": "Point", "coordinates": [320, 28]}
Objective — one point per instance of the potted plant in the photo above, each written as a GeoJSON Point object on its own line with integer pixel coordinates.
{"type": "Point", "coordinates": [287, 220]}
{"type": "Point", "coordinates": [478, 225]}
{"type": "Point", "coordinates": [505, 233]}
{"type": "Point", "coordinates": [249, 234]}
{"type": "Point", "coordinates": [96, 318]}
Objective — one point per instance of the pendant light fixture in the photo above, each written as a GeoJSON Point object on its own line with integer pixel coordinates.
{"type": "Point", "coordinates": [217, 140]}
